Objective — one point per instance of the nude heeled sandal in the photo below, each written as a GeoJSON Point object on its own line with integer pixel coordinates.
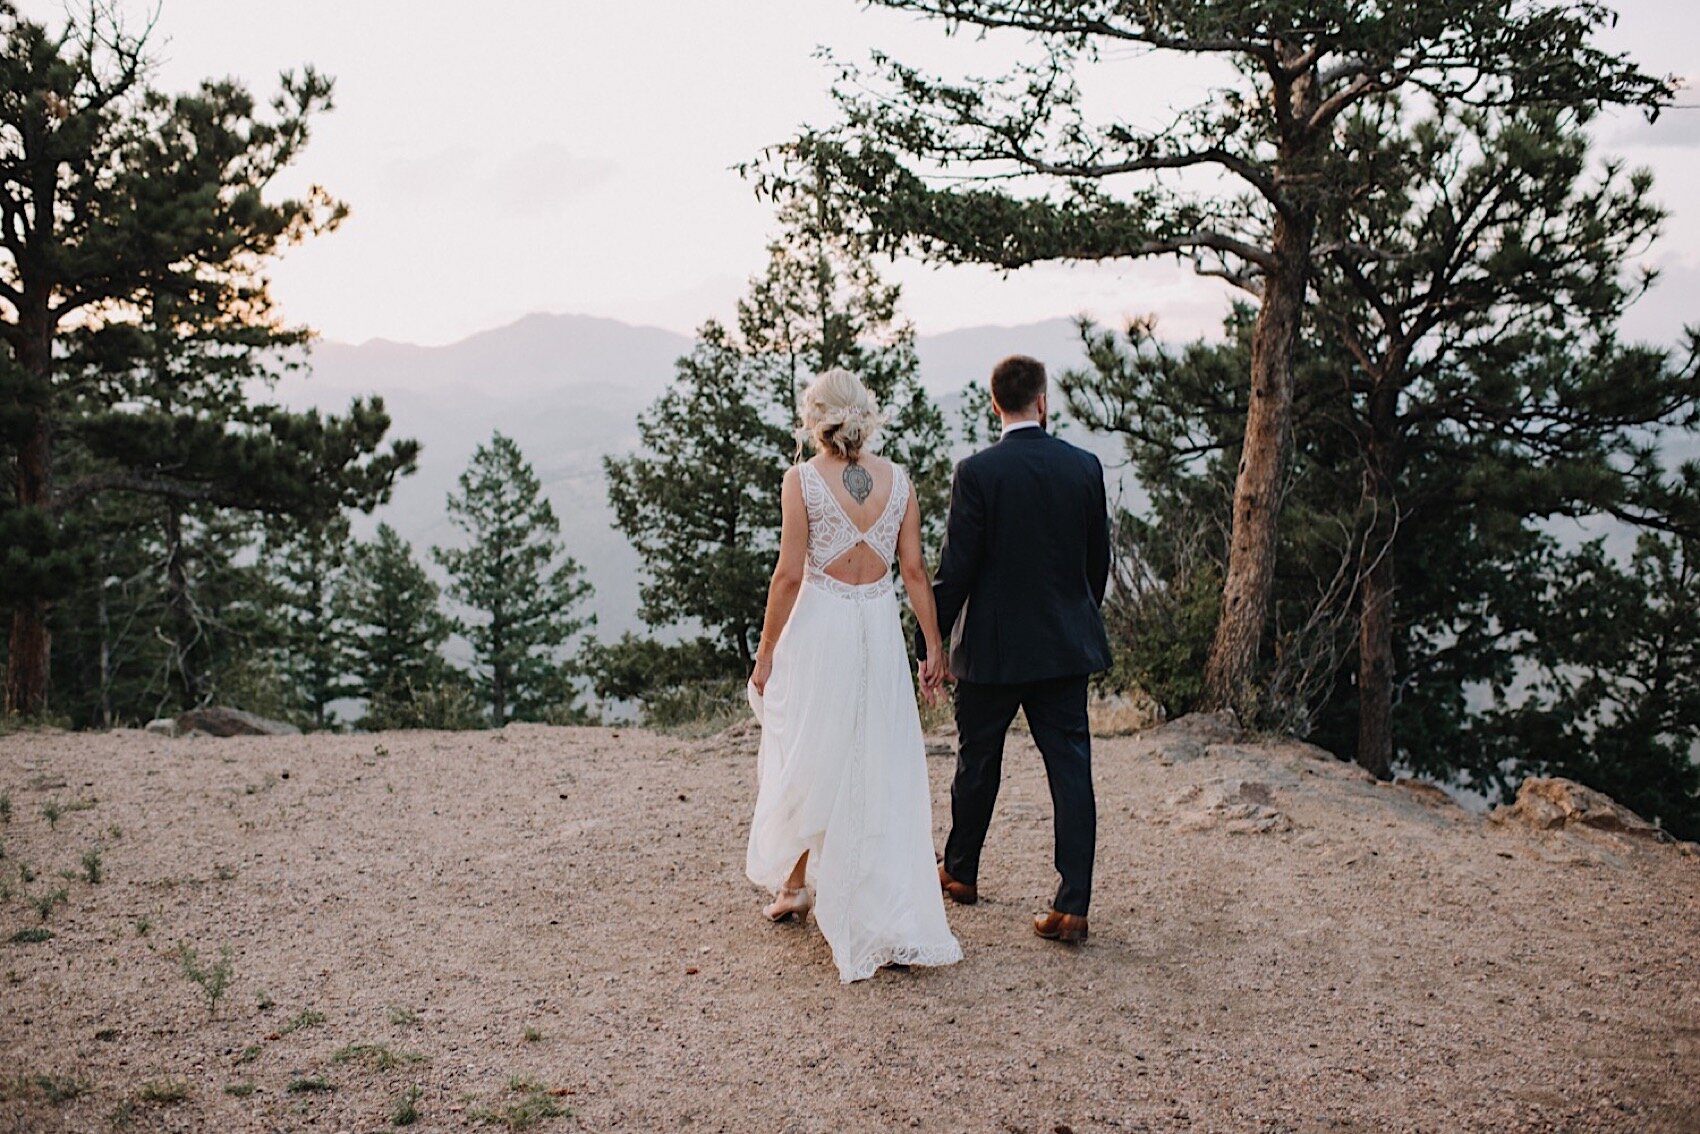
{"type": "Point", "coordinates": [790, 903]}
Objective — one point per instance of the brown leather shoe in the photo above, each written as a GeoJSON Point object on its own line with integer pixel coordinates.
{"type": "Point", "coordinates": [1070, 929]}
{"type": "Point", "coordinates": [961, 893]}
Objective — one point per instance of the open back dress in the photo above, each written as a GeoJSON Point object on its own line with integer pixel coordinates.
{"type": "Point", "coordinates": [843, 772]}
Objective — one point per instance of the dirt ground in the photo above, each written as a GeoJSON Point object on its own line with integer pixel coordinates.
{"type": "Point", "coordinates": [486, 928]}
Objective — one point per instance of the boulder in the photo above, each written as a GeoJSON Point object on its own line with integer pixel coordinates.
{"type": "Point", "coordinates": [1240, 807]}
{"type": "Point", "coordinates": [1554, 803]}
{"type": "Point", "coordinates": [220, 721]}
{"type": "Point", "coordinates": [1119, 714]}
{"type": "Point", "coordinates": [1186, 738]}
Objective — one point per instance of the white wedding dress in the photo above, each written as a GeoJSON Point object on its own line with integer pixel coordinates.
{"type": "Point", "coordinates": [842, 764]}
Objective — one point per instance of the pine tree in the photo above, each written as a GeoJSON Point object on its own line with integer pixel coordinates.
{"type": "Point", "coordinates": [1613, 696]}
{"type": "Point", "coordinates": [1475, 287]}
{"type": "Point", "coordinates": [1013, 170]}
{"type": "Point", "coordinates": [396, 630]}
{"type": "Point", "coordinates": [700, 501]}
{"type": "Point", "coordinates": [134, 309]}
{"type": "Point", "coordinates": [518, 588]}
{"type": "Point", "coordinates": [821, 303]}
{"type": "Point", "coordinates": [305, 564]}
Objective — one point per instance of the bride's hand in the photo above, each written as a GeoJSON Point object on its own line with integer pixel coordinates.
{"type": "Point", "coordinates": [763, 671]}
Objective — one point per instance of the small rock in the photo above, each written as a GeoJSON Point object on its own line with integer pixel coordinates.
{"type": "Point", "coordinates": [1432, 794]}
{"type": "Point", "coordinates": [222, 721]}
{"type": "Point", "coordinates": [162, 726]}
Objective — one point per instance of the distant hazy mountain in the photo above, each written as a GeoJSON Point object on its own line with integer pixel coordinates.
{"type": "Point", "coordinates": [568, 389]}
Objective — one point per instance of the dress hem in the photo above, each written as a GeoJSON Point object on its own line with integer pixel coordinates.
{"type": "Point", "coordinates": [929, 956]}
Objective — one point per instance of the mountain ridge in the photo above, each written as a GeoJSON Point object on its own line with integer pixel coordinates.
{"type": "Point", "coordinates": [568, 389]}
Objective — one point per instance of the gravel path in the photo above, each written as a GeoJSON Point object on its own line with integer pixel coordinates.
{"type": "Point", "coordinates": [488, 927]}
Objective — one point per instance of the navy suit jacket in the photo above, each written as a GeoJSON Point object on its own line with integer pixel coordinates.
{"type": "Point", "coordinates": [1025, 560]}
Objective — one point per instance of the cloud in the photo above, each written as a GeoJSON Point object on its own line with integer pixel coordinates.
{"type": "Point", "coordinates": [1660, 316]}
{"type": "Point", "coordinates": [538, 180]}
{"type": "Point", "coordinates": [1677, 128]}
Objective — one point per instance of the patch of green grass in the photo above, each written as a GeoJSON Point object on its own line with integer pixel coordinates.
{"type": "Point", "coordinates": [6, 807]}
{"type": "Point", "coordinates": [379, 1055]}
{"type": "Point", "coordinates": [224, 873]}
{"type": "Point", "coordinates": [249, 1053]}
{"type": "Point", "coordinates": [44, 903]}
{"type": "Point", "coordinates": [106, 1035]}
{"type": "Point", "coordinates": [53, 811]}
{"type": "Point", "coordinates": [214, 979]}
{"type": "Point", "coordinates": [266, 784]}
{"type": "Point", "coordinates": [80, 805]}
{"type": "Point", "coordinates": [406, 1017]}
{"type": "Point", "coordinates": [264, 1001]}
{"type": "Point", "coordinates": [531, 1035]}
{"type": "Point", "coordinates": [308, 1087]}
{"type": "Point", "coordinates": [31, 936]}
{"type": "Point", "coordinates": [26, 875]}
{"type": "Point", "coordinates": [307, 1018]}
{"type": "Point", "coordinates": [62, 1088]}
{"type": "Point", "coordinates": [535, 1105]}
{"type": "Point", "coordinates": [164, 1091]}
{"type": "Point", "coordinates": [144, 926]}
{"type": "Point", "coordinates": [122, 1114]}
{"type": "Point", "coordinates": [407, 1108]}
{"type": "Point", "coordinates": [240, 1090]}
{"type": "Point", "coordinates": [91, 866]}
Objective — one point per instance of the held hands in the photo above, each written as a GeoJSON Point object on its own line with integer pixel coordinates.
{"type": "Point", "coordinates": [935, 672]}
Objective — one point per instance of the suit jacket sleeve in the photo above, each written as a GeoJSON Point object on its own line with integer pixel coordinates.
{"type": "Point", "coordinates": [963, 552]}
{"type": "Point", "coordinates": [1098, 539]}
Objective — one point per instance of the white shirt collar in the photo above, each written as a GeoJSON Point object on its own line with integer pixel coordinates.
{"type": "Point", "coordinates": [1013, 426]}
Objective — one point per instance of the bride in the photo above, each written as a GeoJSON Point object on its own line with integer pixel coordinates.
{"type": "Point", "coordinates": [843, 820]}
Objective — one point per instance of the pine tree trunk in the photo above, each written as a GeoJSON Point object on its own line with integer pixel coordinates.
{"type": "Point", "coordinates": [29, 646]}
{"type": "Point", "coordinates": [27, 656]}
{"type": "Point", "coordinates": [105, 617]}
{"type": "Point", "coordinates": [1382, 455]}
{"type": "Point", "coordinates": [745, 657]}
{"type": "Point", "coordinates": [498, 675]}
{"type": "Point", "coordinates": [1263, 461]}
{"type": "Point", "coordinates": [180, 607]}
{"type": "Point", "coordinates": [1375, 667]}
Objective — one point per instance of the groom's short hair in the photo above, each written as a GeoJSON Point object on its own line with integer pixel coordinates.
{"type": "Point", "coordinates": [1017, 382]}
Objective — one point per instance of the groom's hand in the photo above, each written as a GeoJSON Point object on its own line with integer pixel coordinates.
{"type": "Point", "coordinates": [934, 670]}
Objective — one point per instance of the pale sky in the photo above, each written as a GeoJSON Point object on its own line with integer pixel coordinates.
{"type": "Point", "coordinates": [574, 156]}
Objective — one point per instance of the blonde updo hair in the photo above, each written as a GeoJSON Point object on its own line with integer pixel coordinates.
{"type": "Point", "coordinates": [839, 415]}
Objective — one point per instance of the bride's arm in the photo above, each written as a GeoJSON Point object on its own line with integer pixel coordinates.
{"type": "Point", "coordinates": [787, 574]}
{"type": "Point", "coordinates": [919, 584]}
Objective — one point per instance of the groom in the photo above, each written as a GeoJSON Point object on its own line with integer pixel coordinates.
{"type": "Point", "coordinates": [1020, 580]}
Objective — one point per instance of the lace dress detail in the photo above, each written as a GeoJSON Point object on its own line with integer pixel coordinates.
{"type": "Point", "coordinates": [842, 767]}
{"type": "Point", "coordinates": [832, 533]}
